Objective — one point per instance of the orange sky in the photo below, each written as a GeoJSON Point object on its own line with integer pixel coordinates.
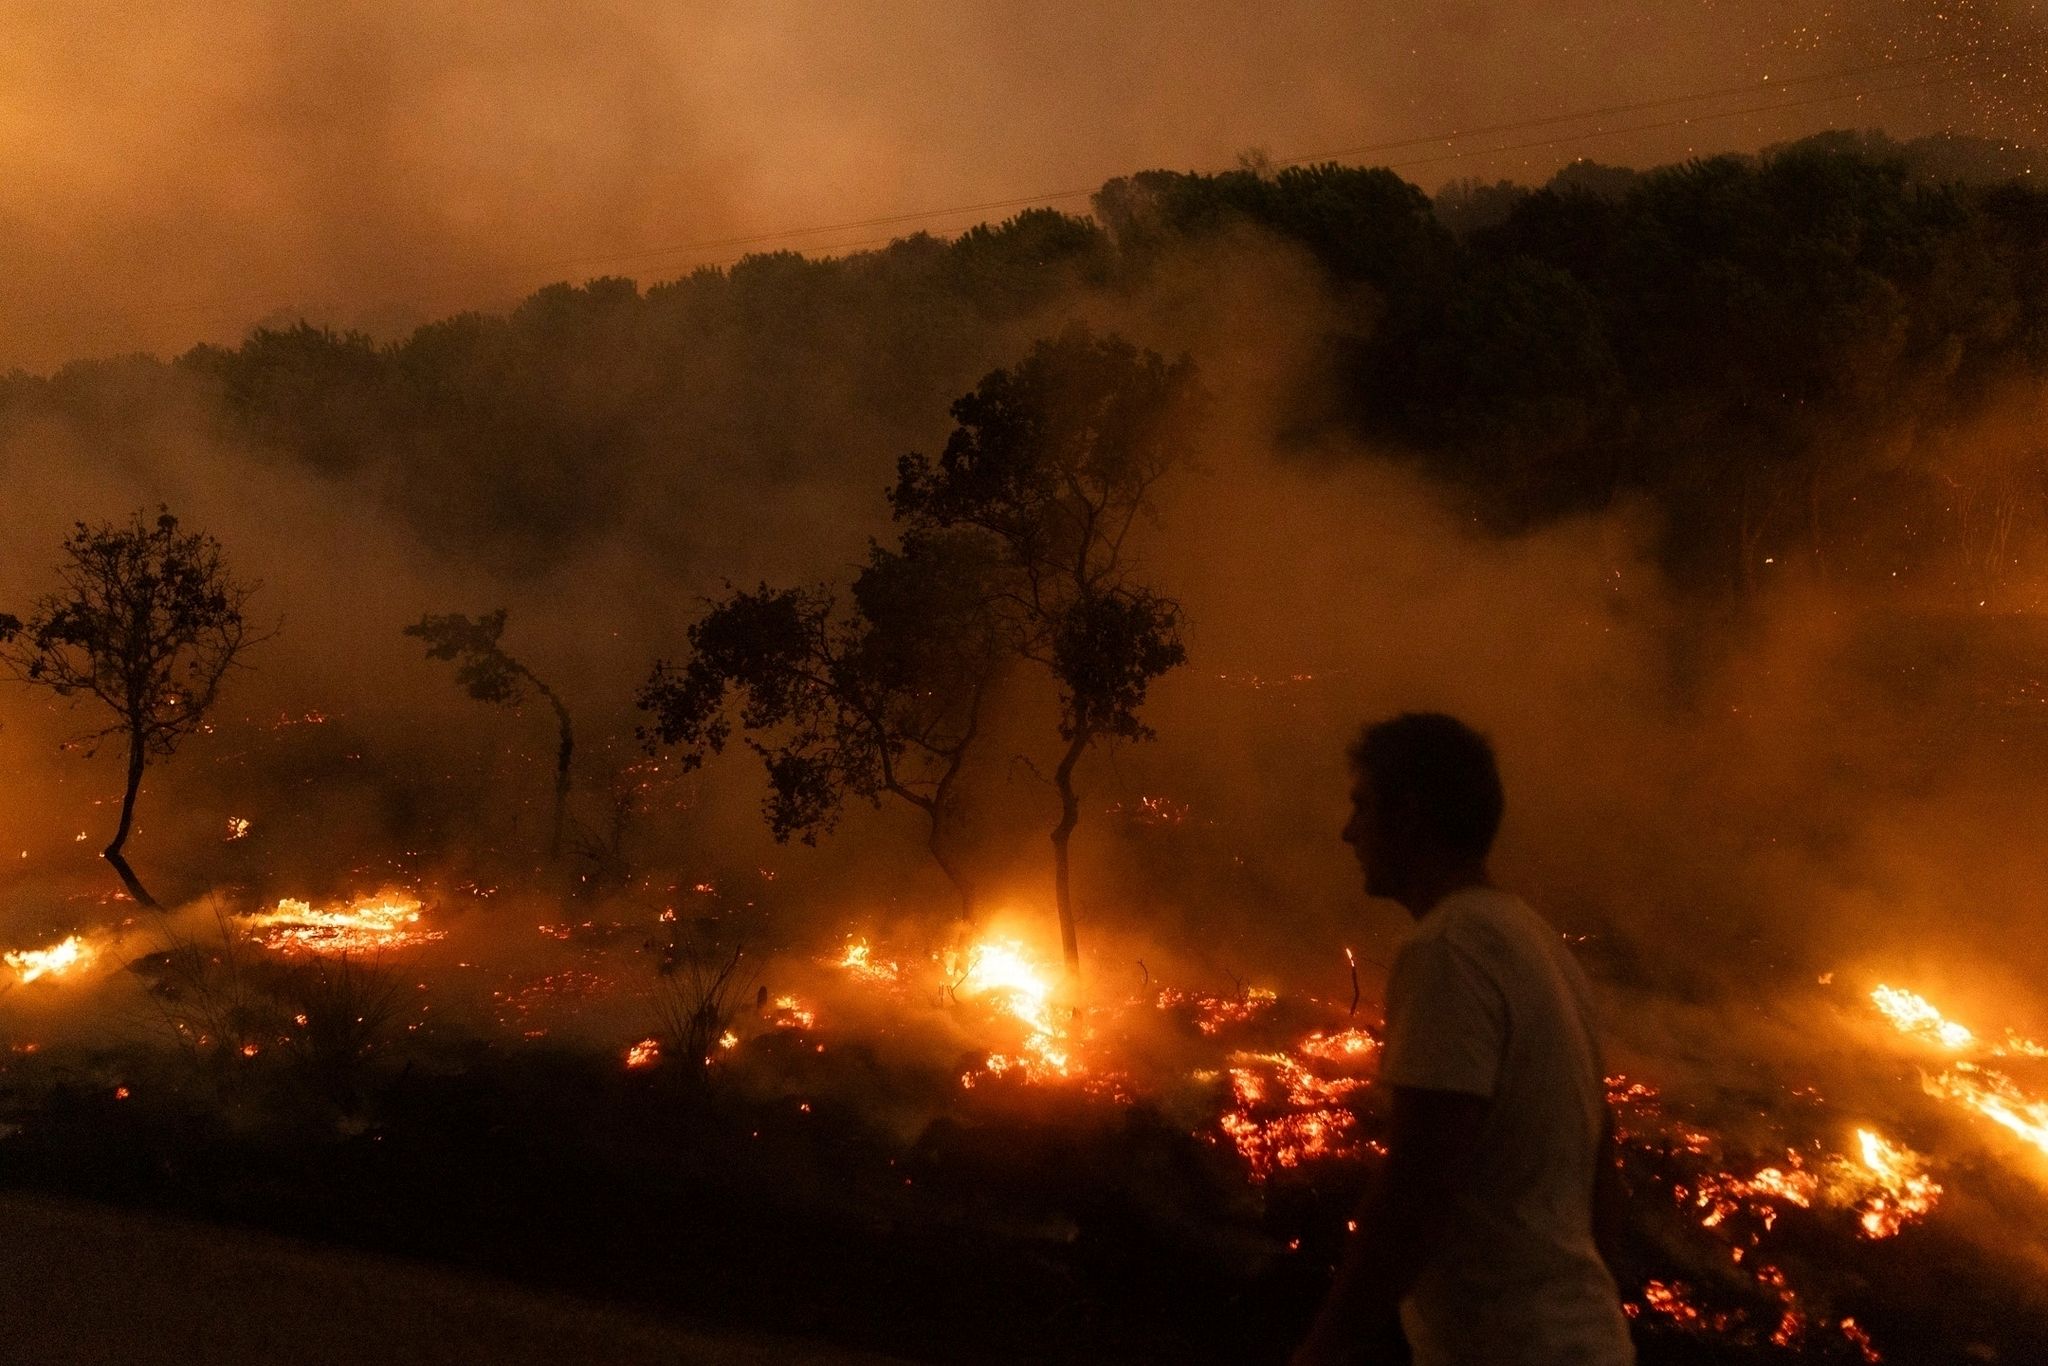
{"type": "Point", "coordinates": [372, 162]}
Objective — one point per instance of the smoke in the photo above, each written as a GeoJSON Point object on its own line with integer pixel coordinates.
{"type": "Point", "coordinates": [371, 164]}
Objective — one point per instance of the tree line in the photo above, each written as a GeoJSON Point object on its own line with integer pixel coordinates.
{"type": "Point", "coordinates": [1829, 356]}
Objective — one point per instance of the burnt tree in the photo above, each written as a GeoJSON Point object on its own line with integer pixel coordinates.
{"type": "Point", "coordinates": [1053, 463]}
{"type": "Point", "coordinates": [488, 674]}
{"type": "Point", "coordinates": [884, 695]}
{"type": "Point", "coordinates": [147, 624]}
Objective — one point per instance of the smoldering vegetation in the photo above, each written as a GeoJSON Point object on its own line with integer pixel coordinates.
{"type": "Point", "coordinates": [1715, 493]}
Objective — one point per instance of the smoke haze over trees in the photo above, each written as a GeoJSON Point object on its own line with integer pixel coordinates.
{"type": "Point", "coordinates": [1779, 353]}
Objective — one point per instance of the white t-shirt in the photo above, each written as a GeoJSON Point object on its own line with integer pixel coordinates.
{"type": "Point", "coordinates": [1486, 1000]}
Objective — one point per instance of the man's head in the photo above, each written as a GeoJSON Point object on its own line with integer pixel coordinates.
{"type": "Point", "coordinates": [1426, 803]}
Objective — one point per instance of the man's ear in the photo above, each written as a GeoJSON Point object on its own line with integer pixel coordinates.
{"type": "Point", "coordinates": [1406, 817]}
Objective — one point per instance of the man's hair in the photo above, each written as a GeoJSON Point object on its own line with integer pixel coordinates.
{"type": "Point", "coordinates": [1444, 766]}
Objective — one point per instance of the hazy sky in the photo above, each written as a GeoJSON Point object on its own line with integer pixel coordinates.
{"type": "Point", "coordinates": [176, 177]}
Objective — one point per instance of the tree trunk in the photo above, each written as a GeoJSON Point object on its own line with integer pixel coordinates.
{"type": "Point", "coordinates": [963, 884]}
{"type": "Point", "coordinates": [137, 757]}
{"type": "Point", "coordinates": [563, 753]}
{"type": "Point", "coordinates": [1070, 816]}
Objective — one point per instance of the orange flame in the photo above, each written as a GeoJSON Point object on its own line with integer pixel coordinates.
{"type": "Point", "coordinates": [59, 960]}
{"type": "Point", "coordinates": [384, 921]}
{"type": "Point", "coordinates": [1904, 1191]}
{"type": "Point", "coordinates": [859, 960]}
{"type": "Point", "coordinates": [1912, 1015]}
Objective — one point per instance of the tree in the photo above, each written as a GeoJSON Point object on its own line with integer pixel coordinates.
{"type": "Point", "coordinates": [884, 696]}
{"type": "Point", "coordinates": [1053, 462]}
{"type": "Point", "coordinates": [148, 623]}
{"type": "Point", "coordinates": [488, 674]}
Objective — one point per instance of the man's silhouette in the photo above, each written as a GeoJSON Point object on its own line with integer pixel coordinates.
{"type": "Point", "coordinates": [1477, 1238]}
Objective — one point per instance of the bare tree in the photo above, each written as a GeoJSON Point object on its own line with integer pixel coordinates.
{"type": "Point", "coordinates": [147, 624]}
{"type": "Point", "coordinates": [488, 674]}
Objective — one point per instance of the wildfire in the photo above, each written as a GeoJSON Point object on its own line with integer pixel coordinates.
{"type": "Point", "coordinates": [1905, 1192]}
{"type": "Point", "coordinates": [1995, 1096]}
{"type": "Point", "coordinates": [1003, 973]}
{"type": "Point", "coordinates": [1721, 1194]}
{"type": "Point", "coordinates": [59, 960]}
{"type": "Point", "coordinates": [1912, 1015]}
{"type": "Point", "coordinates": [1285, 1114]}
{"type": "Point", "coordinates": [645, 1053]}
{"type": "Point", "coordinates": [386, 921]}
{"type": "Point", "coordinates": [1346, 1045]}
{"type": "Point", "coordinates": [791, 1013]}
{"type": "Point", "coordinates": [1885, 1185]}
{"type": "Point", "coordinates": [1214, 1014]}
{"type": "Point", "coordinates": [1287, 1141]}
{"type": "Point", "coordinates": [1989, 1092]}
{"type": "Point", "coordinates": [859, 960]}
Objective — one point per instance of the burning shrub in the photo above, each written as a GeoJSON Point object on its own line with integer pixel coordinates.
{"type": "Point", "coordinates": [229, 1003]}
{"type": "Point", "coordinates": [210, 995]}
{"type": "Point", "coordinates": [700, 983]}
{"type": "Point", "coordinates": [342, 1009]}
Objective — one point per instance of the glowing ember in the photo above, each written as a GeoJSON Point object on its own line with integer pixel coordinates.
{"type": "Point", "coordinates": [1284, 1115]}
{"type": "Point", "coordinates": [1214, 1014]}
{"type": "Point", "coordinates": [1912, 1015]}
{"type": "Point", "coordinates": [1860, 1340]}
{"type": "Point", "coordinates": [1671, 1301]}
{"type": "Point", "coordinates": [859, 960]}
{"type": "Point", "coordinates": [386, 921]}
{"type": "Point", "coordinates": [1346, 1045]}
{"type": "Point", "coordinates": [1721, 1194]}
{"type": "Point", "coordinates": [645, 1053]}
{"type": "Point", "coordinates": [238, 827]}
{"type": "Point", "coordinates": [59, 960]}
{"type": "Point", "coordinates": [1287, 1141]}
{"type": "Point", "coordinates": [791, 1014]}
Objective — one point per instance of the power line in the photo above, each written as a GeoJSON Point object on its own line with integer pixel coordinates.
{"type": "Point", "coordinates": [1365, 149]}
{"type": "Point", "coordinates": [1928, 83]}
{"type": "Point", "coordinates": [1751, 88]}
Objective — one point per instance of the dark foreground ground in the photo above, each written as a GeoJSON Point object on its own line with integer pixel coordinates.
{"type": "Point", "coordinates": [545, 1205]}
{"type": "Point", "coordinates": [87, 1284]}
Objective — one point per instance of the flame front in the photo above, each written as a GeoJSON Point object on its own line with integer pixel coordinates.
{"type": "Point", "coordinates": [1002, 972]}
{"type": "Point", "coordinates": [59, 960]}
{"type": "Point", "coordinates": [1905, 1192]}
{"type": "Point", "coordinates": [1987, 1091]}
{"type": "Point", "coordinates": [859, 960]}
{"type": "Point", "coordinates": [386, 921]}
{"type": "Point", "coordinates": [1995, 1096]}
{"type": "Point", "coordinates": [1913, 1015]}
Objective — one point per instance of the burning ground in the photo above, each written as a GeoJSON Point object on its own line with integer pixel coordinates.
{"type": "Point", "coordinates": [707, 1091]}
{"type": "Point", "coordinates": [781, 1085]}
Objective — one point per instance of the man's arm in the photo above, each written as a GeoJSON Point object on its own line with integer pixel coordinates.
{"type": "Point", "coordinates": [1610, 1197]}
{"type": "Point", "coordinates": [1400, 1226]}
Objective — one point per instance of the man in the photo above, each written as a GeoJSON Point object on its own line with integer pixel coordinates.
{"type": "Point", "coordinates": [1475, 1244]}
